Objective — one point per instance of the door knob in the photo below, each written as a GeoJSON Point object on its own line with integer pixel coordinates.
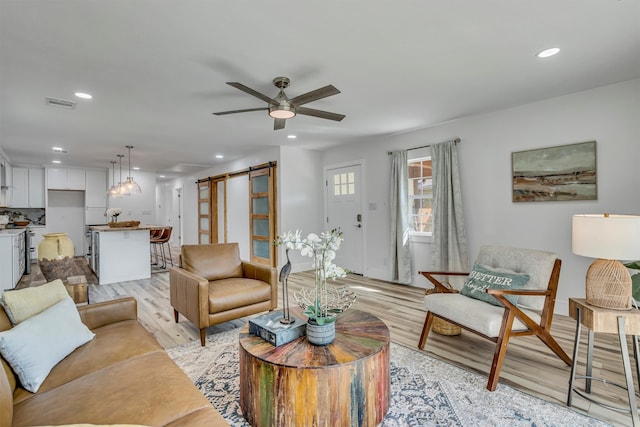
{"type": "Point", "coordinates": [357, 225]}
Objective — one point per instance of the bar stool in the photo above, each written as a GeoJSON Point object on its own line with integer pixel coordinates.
{"type": "Point", "coordinates": [163, 238]}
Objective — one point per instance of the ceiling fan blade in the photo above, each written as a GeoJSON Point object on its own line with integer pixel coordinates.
{"type": "Point", "coordinates": [222, 113]}
{"type": "Point", "coordinates": [252, 92]}
{"type": "Point", "coordinates": [279, 123]}
{"type": "Point", "coordinates": [319, 113]}
{"type": "Point", "coordinates": [314, 95]}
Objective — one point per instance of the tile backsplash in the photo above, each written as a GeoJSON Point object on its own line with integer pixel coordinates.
{"type": "Point", "coordinates": [35, 215]}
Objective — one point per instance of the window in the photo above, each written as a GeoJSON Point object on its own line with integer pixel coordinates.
{"type": "Point", "coordinates": [344, 184]}
{"type": "Point", "coordinates": [420, 195]}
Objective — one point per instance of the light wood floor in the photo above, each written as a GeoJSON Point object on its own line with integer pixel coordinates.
{"type": "Point", "coordinates": [529, 366]}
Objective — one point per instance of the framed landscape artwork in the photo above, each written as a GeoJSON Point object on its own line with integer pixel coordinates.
{"type": "Point", "coordinates": [565, 172]}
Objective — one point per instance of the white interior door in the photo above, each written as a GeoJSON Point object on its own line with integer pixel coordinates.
{"type": "Point", "coordinates": [344, 210]}
{"type": "Point", "coordinates": [176, 217]}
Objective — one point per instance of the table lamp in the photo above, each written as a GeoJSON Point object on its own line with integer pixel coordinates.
{"type": "Point", "coordinates": [609, 238]}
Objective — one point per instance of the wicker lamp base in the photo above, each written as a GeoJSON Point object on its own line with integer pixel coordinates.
{"type": "Point", "coordinates": [609, 285]}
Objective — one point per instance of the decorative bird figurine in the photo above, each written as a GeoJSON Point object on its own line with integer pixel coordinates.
{"type": "Point", "coordinates": [284, 276]}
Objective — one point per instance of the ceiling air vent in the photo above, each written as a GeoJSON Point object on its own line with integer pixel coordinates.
{"type": "Point", "coordinates": [57, 102]}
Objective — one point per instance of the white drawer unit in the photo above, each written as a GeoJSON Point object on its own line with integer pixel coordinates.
{"type": "Point", "coordinates": [12, 257]}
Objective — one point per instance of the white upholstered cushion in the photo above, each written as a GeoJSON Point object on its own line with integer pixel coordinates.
{"type": "Point", "coordinates": [475, 314]}
{"type": "Point", "coordinates": [37, 344]}
{"type": "Point", "coordinates": [537, 264]}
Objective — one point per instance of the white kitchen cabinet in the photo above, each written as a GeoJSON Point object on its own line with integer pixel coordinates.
{"type": "Point", "coordinates": [65, 179]}
{"type": "Point", "coordinates": [20, 188]}
{"type": "Point", "coordinates": [12, 257]}
{"type": "Point", "coordinates": [27, 188]}
{"type": "Point", "coordinates": [95, 195]}
{"type": "Point", "coordinates": [36, 187]}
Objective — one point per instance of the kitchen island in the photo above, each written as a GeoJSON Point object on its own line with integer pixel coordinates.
{"type": "Point", "coordinates": [120, 254]}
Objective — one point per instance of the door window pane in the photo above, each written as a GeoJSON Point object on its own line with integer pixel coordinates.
{"type": "Point", "coordinates": [260, 205]}
{"type": "Point", "coordinates": [260, 184]}
{"type": "Point", "coordinates": [204, 208]}
{"type": "Point", "coordinates": [204, 224]}
{"type": "Point", "coordinates": [261, 227]}
{"type": "Point", "coordinates": [204, 192]}
{"type": "Point", "coordinates": [261, 248]}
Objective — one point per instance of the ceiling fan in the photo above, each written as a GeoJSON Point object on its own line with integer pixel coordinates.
{"type": "Point", "coordinates": [282, 108]}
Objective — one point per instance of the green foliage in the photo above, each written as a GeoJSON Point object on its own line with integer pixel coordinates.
{"type": "Point", "coordinates": [635, 279]}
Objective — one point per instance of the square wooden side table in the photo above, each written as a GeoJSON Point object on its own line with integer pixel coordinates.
{"type": "Point", "coordinates": [78, 289]}
{"type": "Point", "coordinates": [604, 320]}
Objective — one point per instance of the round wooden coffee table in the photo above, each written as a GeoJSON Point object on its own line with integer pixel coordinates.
{"type": "Point", "coordinates": [345, 383]}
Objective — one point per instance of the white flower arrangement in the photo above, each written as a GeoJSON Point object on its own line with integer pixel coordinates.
{"type": "Point", "coordinates": [114, 212]}
{"type": "Point", "coordinates": [321, 305]}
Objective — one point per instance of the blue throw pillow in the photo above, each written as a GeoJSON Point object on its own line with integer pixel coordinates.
{"type": "Point", "coordinates": [482, 278]}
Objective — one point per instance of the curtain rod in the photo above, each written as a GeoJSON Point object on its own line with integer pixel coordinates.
{"type": "Point", "coordinates": [455, 140]}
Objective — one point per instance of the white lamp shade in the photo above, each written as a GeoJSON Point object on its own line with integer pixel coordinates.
{"type": "Point", "coordinates": [606, 236]}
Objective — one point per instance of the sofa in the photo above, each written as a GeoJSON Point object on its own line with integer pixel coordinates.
{"type": "Point", "coordinates": [121, 376]}
{"type": "Point", "coordinates": [213, 285]}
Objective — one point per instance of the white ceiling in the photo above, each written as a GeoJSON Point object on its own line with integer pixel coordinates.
{"type": "Point", "coordinates": [157, 70]}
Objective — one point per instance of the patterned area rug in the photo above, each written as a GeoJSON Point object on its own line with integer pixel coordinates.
{"type": "Point", "coordinates": [425, 391]}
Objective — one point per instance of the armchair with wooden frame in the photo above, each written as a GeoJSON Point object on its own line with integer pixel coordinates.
{"type": "Point", "coordinates": [531, 315]}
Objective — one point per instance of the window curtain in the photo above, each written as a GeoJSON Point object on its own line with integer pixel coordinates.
{"type": "Point", "coordinates": [399, 203]}
{"type": "Point", "coordinates": [449, 247]}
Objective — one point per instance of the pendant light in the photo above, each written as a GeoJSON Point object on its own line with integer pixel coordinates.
{"type": "Point", "coordinates": [130, 186]}
{"type": "Point", "coordinates": [120, 189]}
{"type": "Point", "coordinates": [114, 191]}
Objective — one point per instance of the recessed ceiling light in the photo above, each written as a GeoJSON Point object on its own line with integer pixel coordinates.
{"type": "Point", "coordinates": [548, 52]}
{"type": "Point", "coordinates": [56, 161]}
{"type": "Point", "coordinates": [135, 168]}
{"type": "Point", "coordinates": [291, 136]}
{"type": "Point", "coordinates": [219, 156]}
{"type": "Point", "coordinates": [83, 95]}
{"type": "Point", "coordinates": [162, 176]}
{"type": "Point", "coordinates": [58, 150]}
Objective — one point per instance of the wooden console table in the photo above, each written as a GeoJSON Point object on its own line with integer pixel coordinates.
{"type": "Point", "coordinates": [345, 383]}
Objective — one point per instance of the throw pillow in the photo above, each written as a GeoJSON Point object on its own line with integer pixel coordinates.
{"type": "Point", "coordinates": [35, 346]}
{"type": "Point", "coordinates": [482, 278]}
{"type": "Point", "coordinates": [21, 304]}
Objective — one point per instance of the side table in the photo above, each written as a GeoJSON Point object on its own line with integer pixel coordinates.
{"type": "Point", "coordinates": [77, 289]}
{"type": "Point", "coordinates": [603, 320]}
{"type": "Point", "coordinates": [346, 383]}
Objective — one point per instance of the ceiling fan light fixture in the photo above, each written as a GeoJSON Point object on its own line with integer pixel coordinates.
{"type": "Point", "coordinates": [282, 111]}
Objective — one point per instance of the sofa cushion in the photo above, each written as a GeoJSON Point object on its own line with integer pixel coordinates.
{"type": "Point", "coordinates": [482, 278]}
{"type": "Point", "coordinates": [213, 262]}
{"type": "Point", "coordinates": [21, 304]}
{"type": "Point", "coordinates": [228, 294]}
{"type": "Point", "coordinates": [475, 314]}
{"type": "Point", "coordinates": [123, 340]}
{"type": "Point", "coordinates": [149, 389]}
{"type": "Point", "coordinates": [36, 345]}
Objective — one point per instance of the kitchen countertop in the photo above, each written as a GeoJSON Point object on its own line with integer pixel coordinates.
{"type": "Point", "coordinates": [11, 231]}
{"type": "Point", "coordinates": [105, 228]}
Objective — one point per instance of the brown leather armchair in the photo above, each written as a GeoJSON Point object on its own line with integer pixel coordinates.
{"type": "Point", "coordinates": [213, 285]}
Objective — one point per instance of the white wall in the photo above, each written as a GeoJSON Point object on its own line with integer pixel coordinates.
{"type": "Point", "coordinates": [610, 115]}
{"type": "Point", "coordinates": [300, 195]}
{"type": "Point", "coordinates": [140, 207]}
